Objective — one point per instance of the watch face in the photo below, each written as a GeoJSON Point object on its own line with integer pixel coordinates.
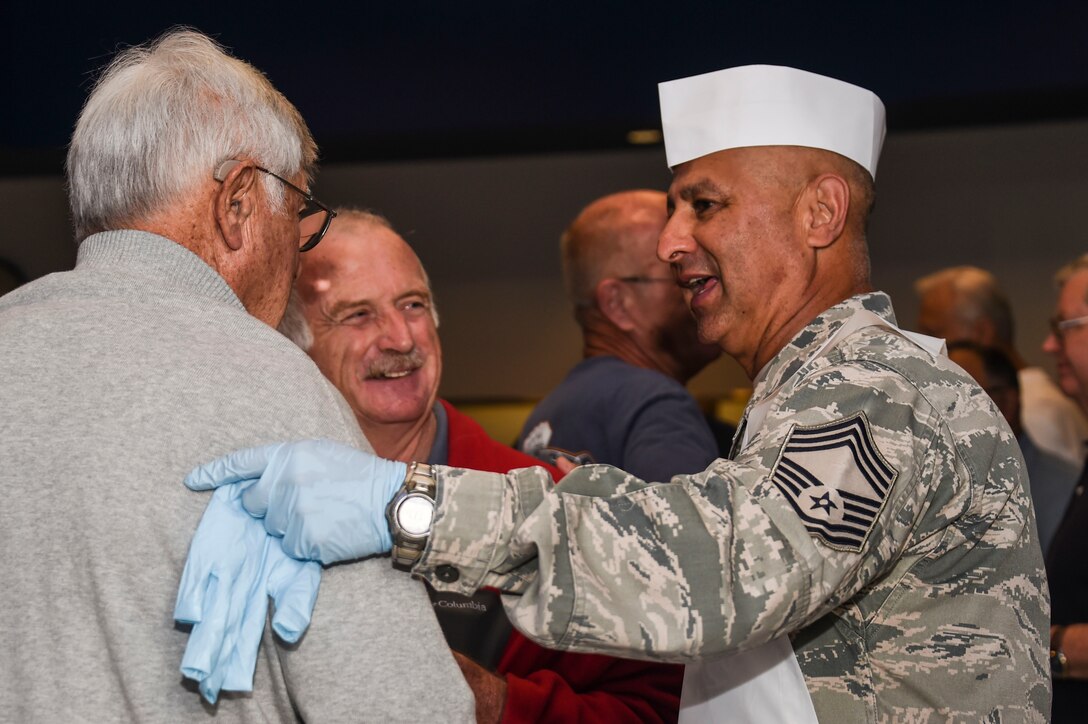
{"type": "Point", "coordinates": [414, 514]}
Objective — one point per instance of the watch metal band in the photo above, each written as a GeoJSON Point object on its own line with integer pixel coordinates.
{"type": "Point", "coordinates": [408, 548]}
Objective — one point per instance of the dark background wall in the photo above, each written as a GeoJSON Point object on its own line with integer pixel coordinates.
{"type": "Point", "coordinates": [481, 128]}
{"type": "Point", "coordinates": [1007, 198]}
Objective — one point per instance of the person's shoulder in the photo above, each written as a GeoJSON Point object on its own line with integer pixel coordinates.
{"type": "Point", "coordinates": [876, 363]}
{"type": "Point", "coordinates": [1037, 379]}
{"type": "Point", "coordinates": [890, 352]}
{"type": "Point", "coordinates": [276, 373]}
{"type": "Point", "coordinates": [612, 374]}
{"type": "Point", "coordinates": [46, 292]}
{"type": "Point", "coordinates": [600, 384]}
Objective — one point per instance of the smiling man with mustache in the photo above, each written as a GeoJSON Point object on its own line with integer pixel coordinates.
{"type": "Point", "coordinates": [373, 331]}
{"type": "Point", "coordinates": [363, 310]}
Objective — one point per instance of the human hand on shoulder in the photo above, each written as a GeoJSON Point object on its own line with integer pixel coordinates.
{"type": "Point", "coordinates": [326, 500]}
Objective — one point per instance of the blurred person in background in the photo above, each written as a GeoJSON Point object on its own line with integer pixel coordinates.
{"type": "Point", "coordinates": [1066, 571]}
{"type": "Point", "coordinates": [1050, 477]}
{"type": "Point", "coordinates": [965, 303]}
{"type": "Point", "coordinates": [625, 403]}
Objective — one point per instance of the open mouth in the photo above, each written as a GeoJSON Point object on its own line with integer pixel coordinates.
{"type": "Point", "coordinates": [697, 284]}
{"type": "Point", "coordinates": [391, 375]}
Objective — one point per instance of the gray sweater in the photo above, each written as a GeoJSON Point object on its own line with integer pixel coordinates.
{"type": "Point", "coordinates": [116, 379]}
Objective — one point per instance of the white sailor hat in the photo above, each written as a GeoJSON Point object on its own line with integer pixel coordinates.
{"type": "Point", "coordinates": [769, 105]}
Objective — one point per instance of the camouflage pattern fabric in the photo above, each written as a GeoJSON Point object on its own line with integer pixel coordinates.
{"type": "Point", "coordinates": [879, 517]}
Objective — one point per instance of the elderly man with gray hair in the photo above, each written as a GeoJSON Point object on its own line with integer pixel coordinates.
{"type": "Point", "coordinates": [187, 174]}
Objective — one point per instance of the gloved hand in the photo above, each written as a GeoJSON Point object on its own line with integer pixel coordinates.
{"type": "Point", "coordinates": [232, 569]}
{"type": "Point", "coordinates": [327, 500]}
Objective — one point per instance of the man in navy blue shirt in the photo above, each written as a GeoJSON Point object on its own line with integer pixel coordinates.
{"type": "Point", "coordinates": [625, 403]}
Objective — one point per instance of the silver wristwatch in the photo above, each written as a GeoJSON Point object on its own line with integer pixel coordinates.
{"type": "Point", "coordinates": [410, 514]}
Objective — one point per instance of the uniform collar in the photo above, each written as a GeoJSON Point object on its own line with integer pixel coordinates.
{"type": "Point", "coordinates": [791, 357]}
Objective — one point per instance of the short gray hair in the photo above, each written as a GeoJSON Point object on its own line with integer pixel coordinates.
{"type": "Point", "coordinates": [162, 117]}
{"type": "Point", "coordinates": [977, 295]}
{"type": "Point", "coordinates": [294, 325]}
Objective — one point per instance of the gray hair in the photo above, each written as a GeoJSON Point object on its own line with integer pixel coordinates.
{"type": "Point", "coordinates": [977, 295]}
{"type": "Point", "coordinates": [294, 325]}
{"type": "Point", "coordinates": [162, 117]}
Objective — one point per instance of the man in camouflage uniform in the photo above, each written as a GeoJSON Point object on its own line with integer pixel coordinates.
{"type": "Point", "coordinates": [874, 511]}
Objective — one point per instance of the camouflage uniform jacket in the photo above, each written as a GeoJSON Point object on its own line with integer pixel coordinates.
{"type": "Point", "coordinates": [879, 515]}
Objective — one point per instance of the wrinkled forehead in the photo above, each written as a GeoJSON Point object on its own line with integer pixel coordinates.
{"type": "Point", "coordinates": [364, 260]}
{"type": "Point", "coordinates": [734, 168]}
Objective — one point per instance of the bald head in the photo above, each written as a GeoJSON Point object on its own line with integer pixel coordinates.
{"type": "Point", "coordinates": [625, 299]}
{"type": "Point", "coordinates": [615, 236]}
{"type": "Point", "coordinates": [965, 303]}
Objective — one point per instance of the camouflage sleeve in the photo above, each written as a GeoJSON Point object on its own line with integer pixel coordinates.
{"type": "Point", "coordinates": [475, 518]}
{"type": "Point", "coordinates": [824, 498]}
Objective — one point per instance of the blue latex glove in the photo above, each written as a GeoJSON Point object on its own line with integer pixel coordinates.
{"type": "Point", "coordinates": [327, 500]}
{"type": "Point", "coordinates": [232, 569]}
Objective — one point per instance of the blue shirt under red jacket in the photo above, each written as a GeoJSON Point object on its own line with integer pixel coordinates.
{"type": "Point", "coordinates": [546, 685]}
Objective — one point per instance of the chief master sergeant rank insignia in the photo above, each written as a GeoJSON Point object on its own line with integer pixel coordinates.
{"type": "Point", "coordinates": [836, 480]}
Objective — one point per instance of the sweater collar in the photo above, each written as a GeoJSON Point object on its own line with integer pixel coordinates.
{"type": "Point", "coordinates": [154, 262]}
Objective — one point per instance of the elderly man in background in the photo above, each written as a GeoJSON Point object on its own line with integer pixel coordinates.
{"type": "Point", "coordinates": [625, 404]}
{"type": "Point", "coordinates": [186, 174]}
{"type": "Point", "coordinates": [365, 313]}
{"type": "Point", "coordinates": [1068, 344]}
{"type": "Point", "coordinates": [869, 548]}
{"type": "Point", "coordinates": [966, 304]}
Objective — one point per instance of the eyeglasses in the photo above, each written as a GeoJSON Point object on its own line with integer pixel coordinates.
{"type": "Point", "coordinates": [313, 206]}
{"type": "Point", "coordinates": [1059, 327]}
{"type": "Point", "coordinates": [646, 280]}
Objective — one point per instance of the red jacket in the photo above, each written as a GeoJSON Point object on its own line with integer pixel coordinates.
{"type": "Point", "coordinates": [546, 685]}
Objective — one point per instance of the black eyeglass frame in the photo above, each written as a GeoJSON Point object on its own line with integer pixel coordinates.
{"type": "Point", "coordinates": [312, 207]}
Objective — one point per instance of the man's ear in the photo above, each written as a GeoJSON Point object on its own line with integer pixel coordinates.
{"type": "Point", "coordinates": [613, 299]}
{"type": "Point", "coordinates": [234, 203]}
{"type": "Point", "coordinates": [827, 205]}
